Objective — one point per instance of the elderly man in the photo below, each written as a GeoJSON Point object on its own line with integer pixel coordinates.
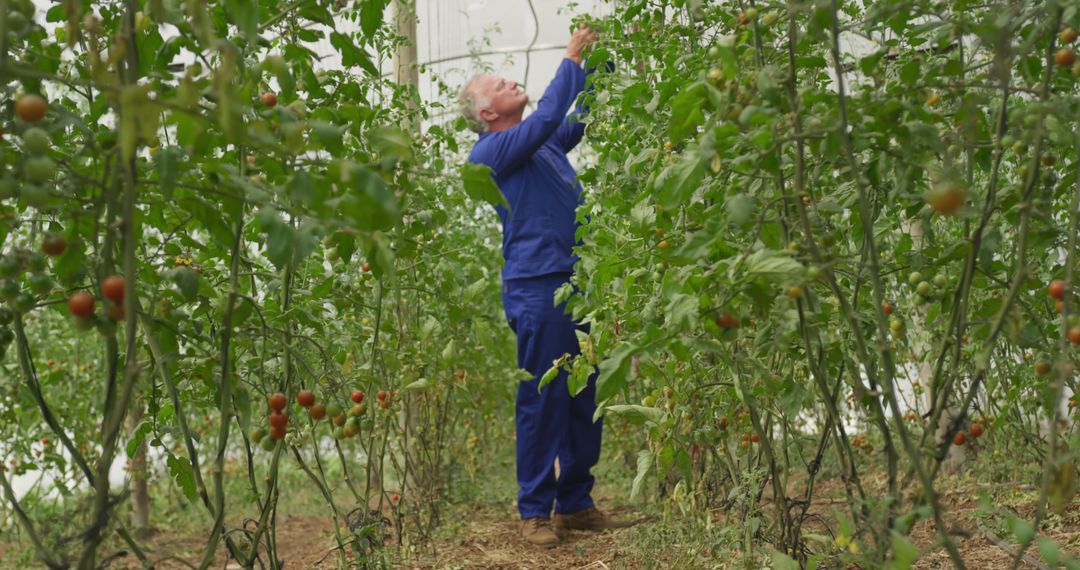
{"type": "Point", "coordinates": [528, 161]}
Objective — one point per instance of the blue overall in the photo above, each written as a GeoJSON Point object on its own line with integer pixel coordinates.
{"type": "Point", "coordinates": [529, 164]}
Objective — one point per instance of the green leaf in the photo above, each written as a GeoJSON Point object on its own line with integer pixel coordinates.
{"type": "Point", "coordinates": [245, 14]}
{"type": "Point", "coordinates": [186, 280]}
{"type": "Point", "coordinates": [1049, 551]}
{"type": "Point", "coordinates": [677, 183]}
{"type": "Point", "coordinates": [371, 16]}
{"type": "Point", "coordinates": [480, 186]}
{"type": "Point", "coordinates": [137, 437]}
{"type": "Point", "coordinates": [686, 115]}
{"type": "Point", "coordinates": [645, 464]}
{"type": "Point", "coordinates": [351, 55]}
{"type": "Point", "coordinates": [614, 370]}
{"type": "Point", "coordinates": [781, 561]}
{"type": "Point", "coordinates": [167, 161]}
{"type": "Point", "coordinates": [1022, 530]}
{"type": "Point", "coordinates": [183, 475]}
{"type": "Point", "coordinates": [637, 415]}
{"type": "Point", "coordinates": [682, 311]}
{"type": "Point", "coordinates": [773, 266]}
{"type": "Point", "coordinates": [904, 553]}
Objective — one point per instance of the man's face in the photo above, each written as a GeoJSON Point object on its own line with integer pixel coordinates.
{"type": "Point", "coordinates": [507, 99]}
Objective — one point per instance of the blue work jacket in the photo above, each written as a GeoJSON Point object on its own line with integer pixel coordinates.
{"type": "Point", "coordinates": [529, 164]}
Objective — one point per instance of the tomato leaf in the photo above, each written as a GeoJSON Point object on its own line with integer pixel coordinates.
{"type": "Point", "coordinates": [182, 473]}
{"type": "Point", "coordinates": [480, 186]}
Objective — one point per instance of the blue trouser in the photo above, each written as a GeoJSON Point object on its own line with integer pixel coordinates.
{"type": "Point", "coordinates": [550, 423]}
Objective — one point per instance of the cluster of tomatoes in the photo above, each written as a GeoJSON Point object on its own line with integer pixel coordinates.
{"type": "Point", "coordinates": [23, 279]}
{"type": "Point", "coordinates": [347, 423]}
{"type": "Point", "coordinates": [1056, 290]}
{"type": "Point", "coordinates": [860, 442]}
{"type": "Point", "coordinates": [81, 304]}
{"type": "Point", "coordinates": [974, 431]}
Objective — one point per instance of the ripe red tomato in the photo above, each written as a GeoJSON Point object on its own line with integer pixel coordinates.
{"type": "Point", "coordinates": [278, 402]}
{"type": "Point", "coordinates": [278, 420]}
{"type": "Point", "coordinates": [727, 321]}
{"type": "Point", "coordinates": [277, 433]}
{"type": "Point", "coordinates": [81, 304]}
{"type": "Point", "coordinates": [31, 108]}
{"type": "Point", "coordinates": [887, 308]}
{"type": "Point", "coordinates": [365, 267]}
{"type": "Point", "coordinates": [317, 412]}
{"type": "Point", "coordinates": [1065, 57]}
{"type": "Point", "coordinates": [54, 244]}
{"type": "Point", "coordinates": [381, 395]}
{"type": "Point", "coordinates": [357, 396]}
{"type": "Point", "coordinates": [113, 288]}
{"type": "Point", "coordinates": [1056, 289]}
{"type": "Point", "coordinates": [976, 430]}
{"type": "Point", "coordinates": [306, 398]}
{"type": "Point", "coordinates": [755, 437]}
{"type": "Point", "coordinates": [947, 198]}
{"type": "Point", "coordinates": [269, 99]}
{"type": "Point", "coordinates": [960, 439]}
{"type": "Point", "coordinates": [1074, 335]}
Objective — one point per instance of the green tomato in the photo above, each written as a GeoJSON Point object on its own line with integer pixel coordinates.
{"type": "Point", "coordinates": [36, 140]}
{"type": "Point", "coordinates": [6, 336]}
{"type": "Point", "coordinates": [6, 316]}
{"type": "Point", "coordinates": [17, 22]}
{"type": "Point", "coordinates": [896, 325]}
{"type": "Point", "coordinates": [257, 435]}
{"type": "Point", "coordinates": [940, 281]}
{"type": "Point", "coordinates": [37, 262]}
{"type": "Point", "coordinates": [333, 409]}
{"type": "Point", "coordinates": [23, 302]}
{"type": "Point", "coordinates": [9, 187]}
{"type": "Point", "coordinates": [35, 196]}
{"type": "Point", "coordinates": [923, 288]}
{"type": "Point", "coordinates": [41, 284]}
{"type": "Point", "coordinates": [84, 323]}
{"type": "Point", "coordinates": [9, 267]}
{"type": "Point", "coordinates": [39, 169]}
{"type": "Point", "coordinates": [915, 278]}
{"type": "Point", "coordinates": [268, 443]}
{"type": "Point", "coordinates": [813, 273]}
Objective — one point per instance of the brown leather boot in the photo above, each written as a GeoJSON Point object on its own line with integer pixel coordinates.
{"type": "Point", "coordinates": [538, 531]}
{"type": "Point", "coordinates": [589, 519]}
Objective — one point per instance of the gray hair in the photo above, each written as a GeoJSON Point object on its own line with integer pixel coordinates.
{"type": "Point", "coordinates": [471, 102]}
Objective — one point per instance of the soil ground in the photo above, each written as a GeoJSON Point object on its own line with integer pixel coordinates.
{"type": "Point", "coordinates": [488, 540]}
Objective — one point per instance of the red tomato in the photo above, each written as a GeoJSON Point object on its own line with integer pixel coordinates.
{"type": "Point", "coordinates": [1056, 289]}
{"type": "Point", "coordinates": [306, 398]}
{"type": "Point", "coordinates": [113, 288]}
{"type": "Point", "coordinates": [278, 402]}
{"type": "Point", "coordinates": [278, 420]}
{"type": "Point", "coordinates": [357, 396]}
{"type": "Point", "coordinates": [81, 304]}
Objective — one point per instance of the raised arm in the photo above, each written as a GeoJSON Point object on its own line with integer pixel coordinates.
{"type": "Point", "coordinates": [505, 150]}
{"type": "Point", "coordinates": [572, 129]}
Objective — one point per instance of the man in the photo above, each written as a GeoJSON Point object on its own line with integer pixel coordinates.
{"type": "Point", "coordinates": [528, 161]}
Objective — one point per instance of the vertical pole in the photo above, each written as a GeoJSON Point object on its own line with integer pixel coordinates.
{"type": "Point", "coordinates": [405, 69]}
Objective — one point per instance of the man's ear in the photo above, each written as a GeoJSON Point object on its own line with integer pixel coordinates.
{"type": "Point", "coordinates": [487, 115]}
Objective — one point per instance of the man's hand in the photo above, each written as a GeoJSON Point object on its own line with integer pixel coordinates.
{"type": "Point", "coordinates": [581, 38]}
